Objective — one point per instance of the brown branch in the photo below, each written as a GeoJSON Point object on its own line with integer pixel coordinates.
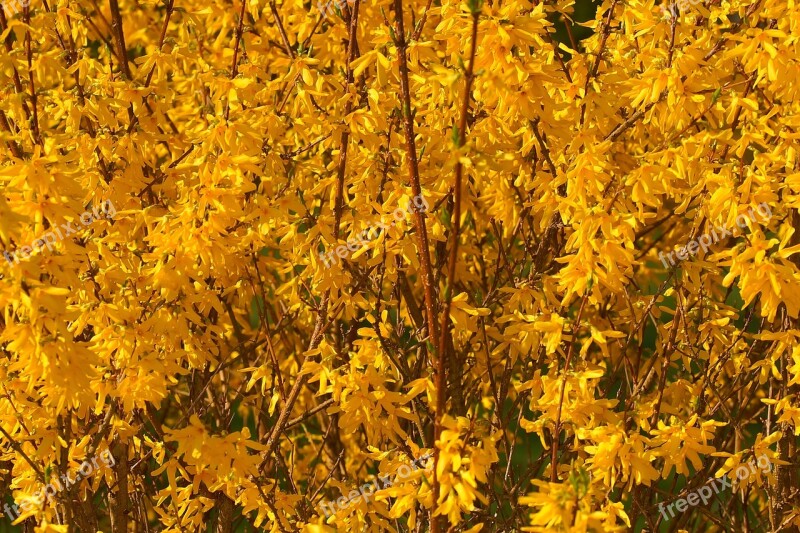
{"type": "Point", "coordinates": [100, 14]}
{"type": "Point", "coordinates": [235, 62]}
{"type": "Point", "coordinates": [119, 37]}
{"type": "Point", "coordinates": [446, 339]}
{"type": "Point", "coordinates": [309, 413]}
{"type": "Point", "coordinates": [348, 108]}
{"type": "Point", "coordinates": [413, 170]}
{"type": "Point", "coordinates": [71, 56]}
{"type": "Point", "coordinates": [321, 323]}
{"type": "Point", "coordinates": [721, 42]}
{"type": "Point", "coordinates": [119, 498]}
{"type": "Point", "coordinates": [633, 119]}
{"type": "Point", "coordinates": [170, 6]}
{"type": "Point", "coordinates": [12, 145]}
{"type": "Point", "coordinates": [557, 428]}
{"type": "Point", "coordinates": [17, 448]}
{"type": "Point", "coordinates": [421, 22]}
{"type": "Point", "coordinates": [37, 135]}
{"type": "Point", "coordinates": [284, 37]}
{"type": "Point", "coordinates": [606, 30]}
{"type": "Point", "coordinates": [17, 80]}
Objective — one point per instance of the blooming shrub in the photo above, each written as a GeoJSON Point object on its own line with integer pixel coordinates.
{"type": "Point", "coordinates": [521, 331]}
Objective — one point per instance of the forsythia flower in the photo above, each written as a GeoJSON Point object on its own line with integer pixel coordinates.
{"type": "Point", "coordinates": [399, 266]}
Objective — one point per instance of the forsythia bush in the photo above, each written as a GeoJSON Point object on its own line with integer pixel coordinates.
{"type": "Point", "coordinates": [383, 265]}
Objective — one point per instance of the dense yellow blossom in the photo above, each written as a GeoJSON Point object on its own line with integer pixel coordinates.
{"type": "Point", "coordinates": [263, 256]}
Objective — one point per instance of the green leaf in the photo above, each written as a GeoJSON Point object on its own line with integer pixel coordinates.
{"type": "Point", "coordinates": [455, 136]}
